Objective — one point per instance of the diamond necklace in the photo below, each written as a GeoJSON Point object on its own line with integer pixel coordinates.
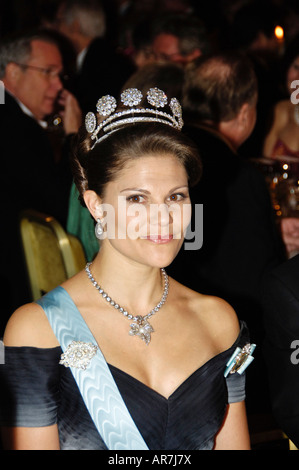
{"type": "Point", "coordinates": [141, 327]}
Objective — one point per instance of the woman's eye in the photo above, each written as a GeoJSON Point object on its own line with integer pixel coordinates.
{"type": "Point", "coordinates": [177, 197]}
{"type": "Point", "coordinates": [136, 198]}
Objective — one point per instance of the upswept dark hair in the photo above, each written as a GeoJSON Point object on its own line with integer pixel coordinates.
{"type": "Point", "coordinates": [94, 168]}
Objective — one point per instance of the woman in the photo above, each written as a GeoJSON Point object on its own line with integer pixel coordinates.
{"type": "Point", "coordinates": [169, 354]}
{"type": "Point", "coordinates": [168, 77]}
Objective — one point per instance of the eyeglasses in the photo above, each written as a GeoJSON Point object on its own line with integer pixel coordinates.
{"type": "Point", "coordinates": [49, 72]}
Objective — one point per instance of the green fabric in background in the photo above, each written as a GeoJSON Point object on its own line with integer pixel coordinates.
{"type": "Point", "coordinates": [81, 224]}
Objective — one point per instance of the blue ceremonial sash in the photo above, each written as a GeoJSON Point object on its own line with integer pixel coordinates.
{"type": "Point", "coordinates": [96, 383]}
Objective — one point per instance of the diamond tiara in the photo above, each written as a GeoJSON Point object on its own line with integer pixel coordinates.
{"type": "Point", "coordinates": [131, 98]}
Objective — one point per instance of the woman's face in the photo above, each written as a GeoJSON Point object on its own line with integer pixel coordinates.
{"type": "Point", "coordinates": [147, 210]}
{"type": "Point", "coordinates": [293, 74]}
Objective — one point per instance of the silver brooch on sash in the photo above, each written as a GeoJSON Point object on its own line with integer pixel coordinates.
{"type": "Point", "coordinates": [78, 354]}
{"type": "Point", "coordinates": [240, 359]}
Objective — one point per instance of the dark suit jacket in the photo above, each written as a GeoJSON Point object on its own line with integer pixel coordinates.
{"type": "Point", "coordinates": [103, 72]}
{"type": "Point", "coordinates": [281, 347]}
{"type": "Point", "coordinates": [29, 180]}
{"type": "Point", "coordinates": [240, 240]}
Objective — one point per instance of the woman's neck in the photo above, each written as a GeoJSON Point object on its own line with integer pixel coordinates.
{"type": "Point", "coordinates": [134, 286]}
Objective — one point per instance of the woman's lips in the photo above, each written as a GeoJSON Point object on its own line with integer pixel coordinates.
{"type": "Point", "coordinates": [159, 239]}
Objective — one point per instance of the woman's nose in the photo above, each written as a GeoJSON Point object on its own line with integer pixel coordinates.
{"type": "Point", "coordinates": [160, 215]}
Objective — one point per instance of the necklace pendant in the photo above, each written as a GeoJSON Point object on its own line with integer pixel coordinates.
{"type": "Point", "coordinates": [141, 328]}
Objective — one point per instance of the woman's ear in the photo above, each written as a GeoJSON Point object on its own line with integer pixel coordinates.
{"type": "Point", "coordinates": [93, 203]}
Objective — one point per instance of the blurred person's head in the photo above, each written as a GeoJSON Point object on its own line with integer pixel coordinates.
{"type": "Point", "coordinates": [221, 91]}
{"type": "Point", "coordinates": [179, 39]}
{"type": "Point", "coordinates": [81, 21]}
{"type": "Point", "coordinates": [31, 69]}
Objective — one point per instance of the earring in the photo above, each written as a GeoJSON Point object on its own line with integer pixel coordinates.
{"type": "Point", "coordinates": [99, 229]}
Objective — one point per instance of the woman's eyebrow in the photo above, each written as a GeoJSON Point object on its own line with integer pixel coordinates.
{"type": "Point", "coordinates": [183, 186]}
{"type": "Point", "coordinates": [140, 190]}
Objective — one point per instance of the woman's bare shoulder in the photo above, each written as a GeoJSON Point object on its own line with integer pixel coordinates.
{"type": "Point", "coordinates": [214, 314]}
{"type": "Point", "coordinates": [29, 326]}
